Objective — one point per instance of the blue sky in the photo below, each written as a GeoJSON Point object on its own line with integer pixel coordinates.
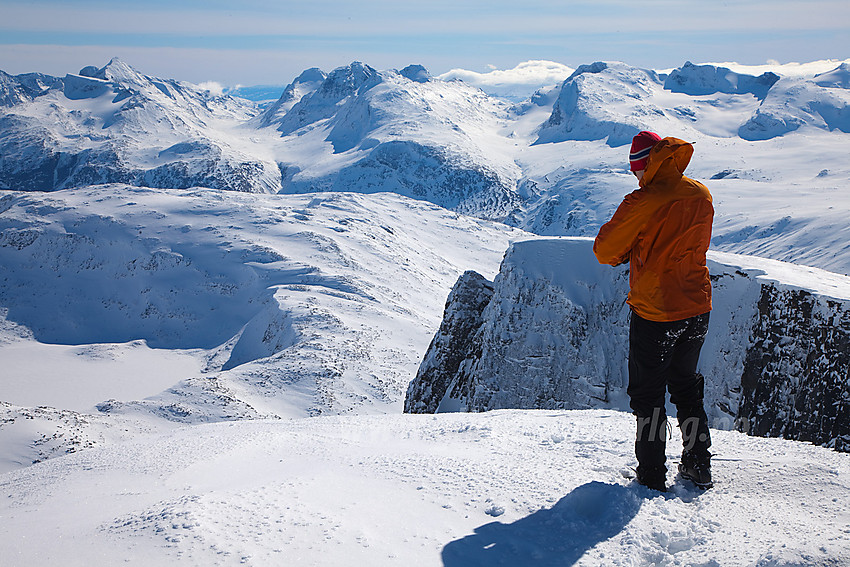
{"type": "Point", "coordinates": [263, 42]}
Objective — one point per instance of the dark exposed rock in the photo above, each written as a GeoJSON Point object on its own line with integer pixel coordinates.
{"type": "Point", "coordinates": [454, 342]}
{"type": "Point", "coordinates": [796, 381]}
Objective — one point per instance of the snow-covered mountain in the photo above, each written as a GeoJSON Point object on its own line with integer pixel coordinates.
{"type": "Point", "coordinates": [116, 125]}
{"type": "Point", "coordinates": [405, 132]}
{"type": "Point", "coordinates": [24, 88]}
{"type": "Point", "coordinates": [551, 333]}
{"type": "Point", "coordinates": [552, 165]}
{"type": "Point", "coordinates": [821, 102]}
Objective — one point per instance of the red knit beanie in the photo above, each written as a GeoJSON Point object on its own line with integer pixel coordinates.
{"type": "Point", "coordinates": [641, 144]}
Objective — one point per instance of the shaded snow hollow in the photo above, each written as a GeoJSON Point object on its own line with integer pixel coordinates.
{"type": "Point", "coordinates": [501, 488]}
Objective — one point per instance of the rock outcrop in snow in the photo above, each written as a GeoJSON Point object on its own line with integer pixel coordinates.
{"type": "Point", "coordinates": [457, 341]}
{"type": "Point", "coordinates": [795, 380]}
{"type": "Point", "coordinates": [554, 335]}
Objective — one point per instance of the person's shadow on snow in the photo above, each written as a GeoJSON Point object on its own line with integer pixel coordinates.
{"type": "Point", "coordinates": [592, 513]}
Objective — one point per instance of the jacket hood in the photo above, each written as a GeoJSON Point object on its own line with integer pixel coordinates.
{"type": "Point", "coordinates": [668, 158]}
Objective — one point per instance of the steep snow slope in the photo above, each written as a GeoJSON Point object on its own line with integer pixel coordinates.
{"type": "Point", "coordinates": [458, 490]}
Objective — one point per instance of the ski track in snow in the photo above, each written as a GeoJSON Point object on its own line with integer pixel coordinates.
{"type": "Point", "coordinates": [508, 487]}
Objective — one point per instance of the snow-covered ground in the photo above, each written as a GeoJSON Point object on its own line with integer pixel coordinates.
{"type": "Point", "coordinates": [508, 487]}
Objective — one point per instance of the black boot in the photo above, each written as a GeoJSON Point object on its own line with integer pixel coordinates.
{"type": "Point", "coordinates": [697, 469]}
{"type": "Point", "coordinates": [652, 477]}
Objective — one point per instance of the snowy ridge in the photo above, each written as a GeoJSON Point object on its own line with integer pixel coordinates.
{"type": "Point", "coordinates": [552, 334]}
{"type": "Point", "coordinates": [116, 125]}
{"type": "Point", "coordinates": [273, 306]}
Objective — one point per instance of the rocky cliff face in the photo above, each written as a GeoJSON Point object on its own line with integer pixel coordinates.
{"type": "Point", "coordinates": [548, 338]}
{"type": "Point", "coordinates": [553, 334]}
{"type": "Point", "coordinates": [796, 380]}
{"type": "Point", "coordinates": [456, 341]}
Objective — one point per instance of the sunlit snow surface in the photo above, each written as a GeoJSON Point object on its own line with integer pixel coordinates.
{"type": "Point", "coordinates": [501, 488]}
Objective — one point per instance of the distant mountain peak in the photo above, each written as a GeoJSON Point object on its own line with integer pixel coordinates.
{"type": "Point", "coordinates": [345, 81]}
{"type": "Point", "coordinates": [837, 78]}
{"type": "Point", "coordinates": [304, 84]}
{"type": "Point", "coordinates": [311, 75]}
{"type": "Point", "coordinates": [697, 80]}
{"type": "Point", "coordinates": [596, 67]}
{"type": "Point", "coordinates": [121, 72]}
{"type": "Point", "coordinates": [416, 73]}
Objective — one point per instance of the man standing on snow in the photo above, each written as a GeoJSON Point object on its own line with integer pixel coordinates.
{"type": "Point", "coordinates": [663, 230]}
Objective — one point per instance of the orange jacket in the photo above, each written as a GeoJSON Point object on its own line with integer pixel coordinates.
{"type": "Point", "coordinates": [663, 229]}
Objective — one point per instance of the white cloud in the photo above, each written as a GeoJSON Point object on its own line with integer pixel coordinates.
{"type": "Point", "coordinates": [518, 82]}
{"type": "Point", "coordinates": [215, 89]}
{"type": "Point", "coordinates": [808, 69]}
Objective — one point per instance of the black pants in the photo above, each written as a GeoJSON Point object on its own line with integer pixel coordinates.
{"type": "Point", "coordinates": [663, 357]}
